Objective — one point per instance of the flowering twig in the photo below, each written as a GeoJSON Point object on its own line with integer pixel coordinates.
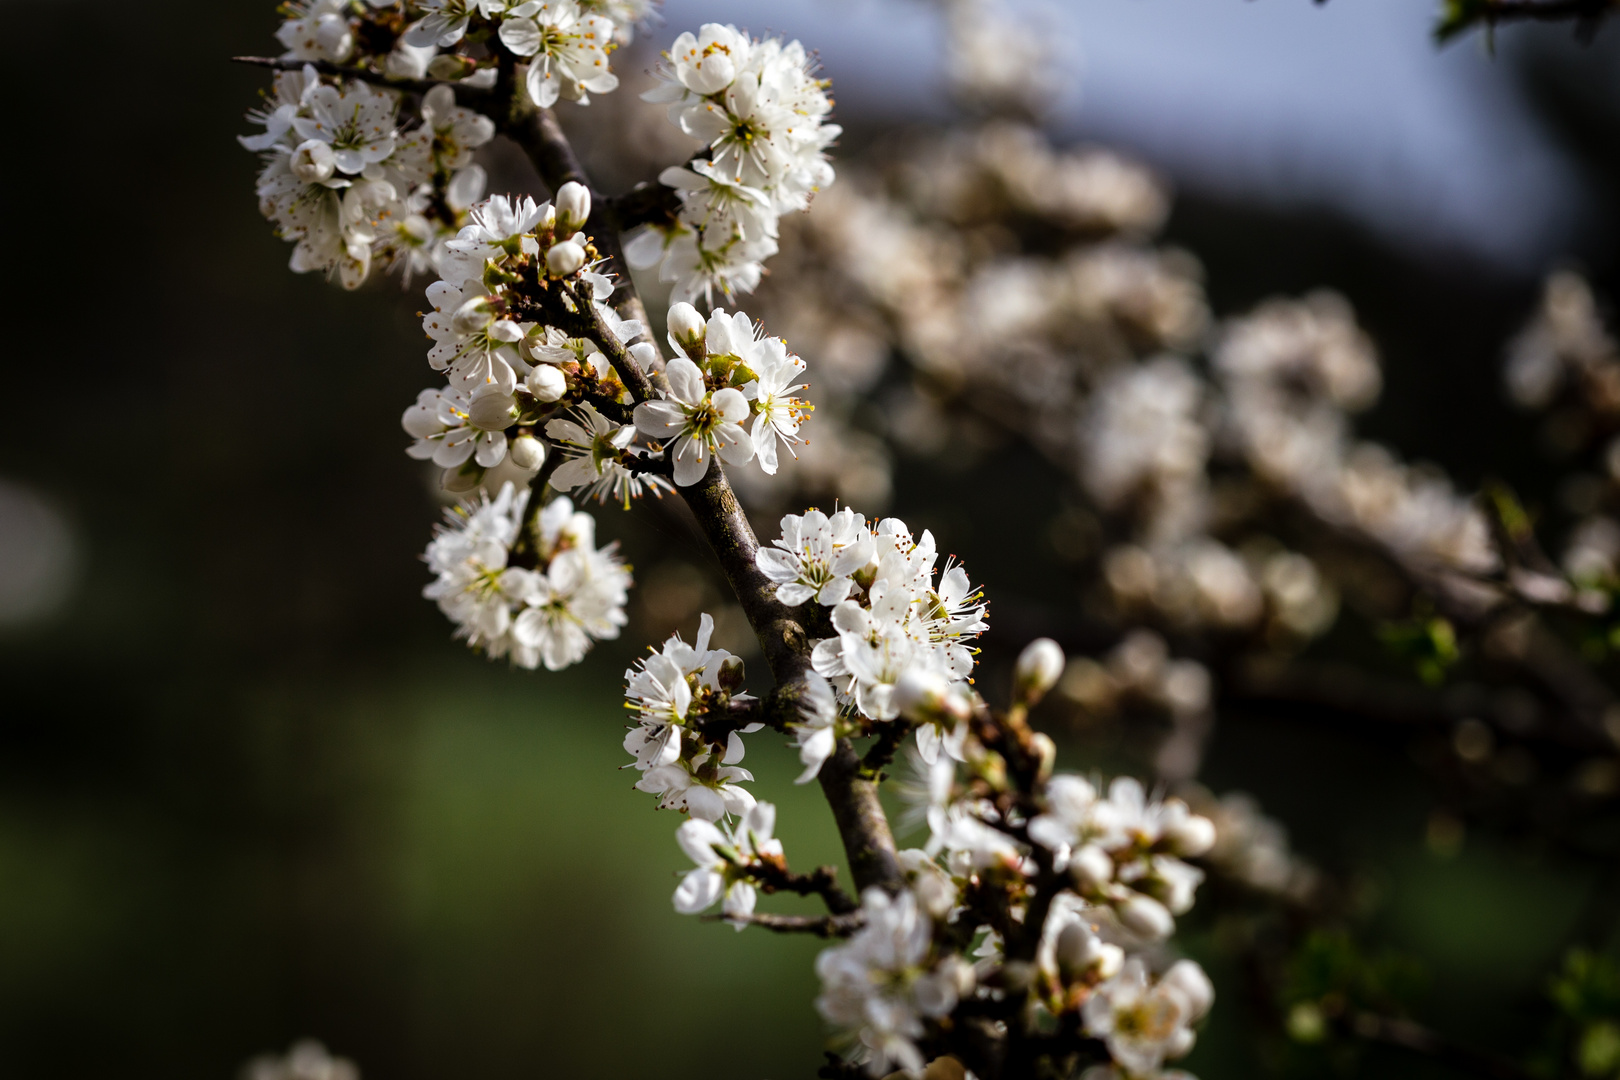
{"type": "Point", "coordinates": [862, 824]}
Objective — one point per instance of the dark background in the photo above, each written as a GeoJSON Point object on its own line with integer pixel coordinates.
{"type": "Point", "coordinates": [250, 790]}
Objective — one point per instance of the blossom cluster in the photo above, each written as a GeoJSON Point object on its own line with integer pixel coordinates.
{"type": "Point", "coordinates": [360, 172]}
{"type": "Point", "coordinates": [691, 768]}
{"type": "Point", "coordinates": [1118, 856]}
{"type": "Point", "coordinates": [350, 185]}
{"type": "Point", "coordinates": [535, 589]}
{"type": "Point", "coordinates": [901, 632]}
{"type": "Point", "coordinates": [763, 115]}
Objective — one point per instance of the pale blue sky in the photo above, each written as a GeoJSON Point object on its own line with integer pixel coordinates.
{"type": "Point", "coordinates": [1348, 103]}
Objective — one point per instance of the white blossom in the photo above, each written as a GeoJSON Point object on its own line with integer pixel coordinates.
{"type": "Point", "coordinates": [694, 422]}
{"type": "Point", "coordinates": [569, 50]}
{"type": "Point", "coordinates": [1144, 1022]}
{"type": "Point", "coordinates": [815, 556]}
{"type": "Point", "coordinates": [718, 875]}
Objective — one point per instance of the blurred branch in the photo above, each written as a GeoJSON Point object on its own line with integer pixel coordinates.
{"type": "Point", "coordinates": [1461, 16]}
{"type": "Point", "coordinates": [645, 204]}
{"type": "Point", "coordinates": [823, 926]}
{"type": "Point", "coordinates": [1417, 1039]}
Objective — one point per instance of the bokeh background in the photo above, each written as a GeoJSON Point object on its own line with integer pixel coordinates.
{"type": "Point", "coordinates": [250, 790]}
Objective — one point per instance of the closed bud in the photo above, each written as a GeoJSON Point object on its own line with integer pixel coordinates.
{"type": "Point", "coordinates": [1180, 1043]}
{"type": "Point", "coordinates": [731, 676]}
{"type": "Point", "coordinates": [313, 162]}
{"type": "Point", "coordinates": [1145, 917]}
{"type": "Point", "coordinates": [473, 316]}
{"type": "Point", "coordinates": [1076, 948]}
{"type": "Point", "coordinates": [546, 383]}
{"type": "Point", "coordinates": [527, 452]}
{"type": "Point", "coordinates": [1046, 752]}
{"type": "Point", "coordinates": [1039, 667]}
{"type": "Point", "coordinates": [1194, 987]}
{"type": "Point", "coordinates": [686, 326]}
{"type": "Point", "coordinates": [565, 258]}
{"type": "Point", "coordinates": [462, 479]}
{"type": "Point", "coordinates": [1192, 835]}
{"type": "Point", "coordinates": [573, 205]}
{"type": "Point", "coordinates": [492, 410]}
{"type": "Point", "coordinates": [927, 697]}
{"type": "Point", "coordinates": [1110, 958]}
{"type": "Point", "coordinates": [1091, 868]}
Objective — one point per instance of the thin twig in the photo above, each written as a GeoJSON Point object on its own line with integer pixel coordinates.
{"type": "Point", "coordinates": [1417, 1039]}
{"type": "Point", "coordinates": [823, 926]}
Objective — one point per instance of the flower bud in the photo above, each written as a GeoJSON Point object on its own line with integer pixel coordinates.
{"type": "Point", "coordinates": [1076, 948]}
{"type": "Point", "coordinates": [492, 410]}
{"type": "Point", "coordinates": [462, 479]}
{"type": "Point", "coordinates": [731, 676]}
{"type": "Point", "coordinates": [1180, 1043]}
{"type": "Point", "coordinates": [1091, 868]}
{"type": "Point", "coordinates": [1189, 981]}
{"type": "Point", "coordinates": [313, 161]}
{"type": "Point", "coordinates": [546, 383]}
{"type": "Point", "coordinates": [1145, 917]}
{"type": "Point", "coordinates": [1192, 835]}
{"type": "Point", "coordinates": [686, 326]}
{"type": "Point", "coordinates": [1110, 958]}
{"type": "Point", "coordinates": [565, 258]}
{"type": "Point", "coordinates": [1039, 667]}
{"type": "Point", "coordinates": [924, 697]}
{"type": "Point", "coordinates": [527, 452]}
{"type": "Point", "coordinates": [473, 315]}
{"type": "Point", "coordinates": [573, 204]}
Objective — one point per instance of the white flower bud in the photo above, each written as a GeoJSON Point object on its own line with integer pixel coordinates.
{"type": "Point", "coordinates": [1110, 958]}
{"type": "Point", "coordinates": [527, 452]}
{"type": "Point", "coordinates": [1091, 868]}
{"type": "Point", "coordinates": [686, 326]}
{"type": "Point", "coordinates": [1194, 987]}
{"type": "Point", "coordinates": [1039, 667]}
{"type": "Point", "coordinates": [565, 258]}
{"type": "Point", "coordinates": [1145, 917]}
{"type": "Point", "coordinates": [925, 697]}
{"type": "Point", "coordinates": [1076, 948]}
{"type": "Point", "coordinates": [1180, 1043]}
{"type": "Point", "coordinates": [457, 481]}
{"type": "Point", "coordinates": [546, 383]}
{"type": "Point", "coordinates": [573, 206]}
{"type": "Point", "coordinates": [313, 162]}
{"type": "Point", "coordinates": [1192, 835]}
{"type": "Point", "coordinates": [473, 316]}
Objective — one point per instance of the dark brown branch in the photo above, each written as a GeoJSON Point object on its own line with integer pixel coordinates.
{"type": "Point", "coordinates": [465, 94]}
{"type": "Point", "coordinates": [644, 204]}
{"type": "Point", "coordinates": [1417, 1039]}
{"type": "Point", "coordinates": [878, 756]}
{"type": "Point", "coordinates": [773, 876]}
{"type": "Point", "coordinates": [824, 926]}
{"type": "Point", "coordinates": [542, 138]}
